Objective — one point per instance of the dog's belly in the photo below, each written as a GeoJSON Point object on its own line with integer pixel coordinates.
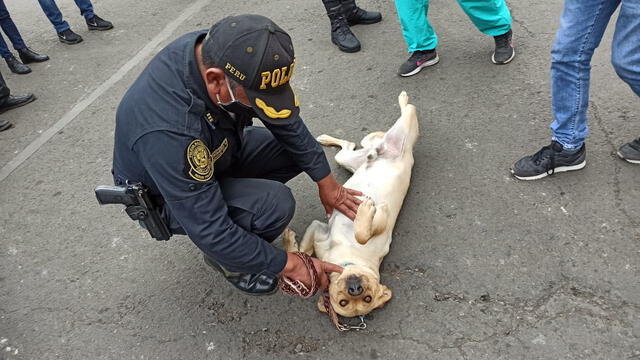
{"type": "Point", "coordinates": [386, 181]}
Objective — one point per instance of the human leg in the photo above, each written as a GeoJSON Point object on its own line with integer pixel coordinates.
{"type": "Point", "coordinates": [10, 29]}
{"type": "Point", "coordinates": [54, 15]}
{"type": "Point", "coordinates": [263, 157]}
{"type": "Point", "coordinates": [419, 36]}
{"type": "Point", "coordinates": [341, 34]}
{"type": "Point", "coordinates": [582, 25]}
{"type": "Point", "coordinates": [491, 17]}
{"type": "Point", "coordinates": [86, 8]}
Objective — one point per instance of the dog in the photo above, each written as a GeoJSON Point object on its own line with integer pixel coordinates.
{"type": "Point", "coordinates": [381, 171]}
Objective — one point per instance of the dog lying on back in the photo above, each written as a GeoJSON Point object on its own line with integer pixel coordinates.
{"type": "Point", "coordinates": [382, 171]}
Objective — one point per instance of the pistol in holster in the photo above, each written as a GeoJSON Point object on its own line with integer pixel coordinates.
{"type": "Point", "coordinates": [139, 206]}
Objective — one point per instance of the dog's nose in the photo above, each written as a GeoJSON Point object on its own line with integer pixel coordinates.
{"type": "Point", "coordinates": [354, 285]}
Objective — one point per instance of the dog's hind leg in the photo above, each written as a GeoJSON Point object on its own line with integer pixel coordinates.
{"type": "Point", "coordinates": [289, 240]}
{"type": "Point", "coordinates": [316, 232]}
{"type": "Point", "coordinates": [347, 157]}
{"type": "Point", "coordinates": [370, 220]}
{"type": "Point", "coordinates": [404, 133]}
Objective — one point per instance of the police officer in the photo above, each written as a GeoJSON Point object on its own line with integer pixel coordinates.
{"type": "Point", "coordinates": [184, 129]}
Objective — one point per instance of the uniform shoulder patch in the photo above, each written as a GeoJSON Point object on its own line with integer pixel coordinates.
{"type": "Point", "coordinates": [199, 161]}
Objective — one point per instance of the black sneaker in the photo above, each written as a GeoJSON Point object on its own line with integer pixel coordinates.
{"type": "Point", "coordinates": [251, 284]}
{"type": "Point", "coordinates": [98, 23]}
{"type": "Point", "coordinates": [630, 151]}
{"type": "Point", "coordinates": [549, 160]}
{"type": "Point", "coordinates": [504, 51]}
{"type": "Point", "coordinates": [69, 37]}
{"type": "Point", "coordinates": [418, 60]}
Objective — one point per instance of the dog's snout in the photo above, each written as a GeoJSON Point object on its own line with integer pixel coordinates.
{"type": "Point", "coordinates": [354, 285]}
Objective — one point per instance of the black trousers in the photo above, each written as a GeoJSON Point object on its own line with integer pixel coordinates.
{"type": "Point", "coordinates": [4, 91]}
{"type": "Point", "coordinates": [256, 197]}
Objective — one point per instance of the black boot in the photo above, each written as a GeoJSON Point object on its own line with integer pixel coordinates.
{"type": "Point", "coordinates": [16, 66]}
{"type": "Point", "coordinates": [356, 15]}
{"type": "Point", "coordinates": [341, 34]}
{"type": "Point", "coordinates": [29, 56]}
{"type": "Point", "coordinates": [16, 101]}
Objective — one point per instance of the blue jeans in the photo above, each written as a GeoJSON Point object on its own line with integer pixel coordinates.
{"type": "Point", "coordinates": [11, 31]}
{"type": "Point", "coordinates": [582, 25]}
{"type": "Point", "coordinates": [55, 16]}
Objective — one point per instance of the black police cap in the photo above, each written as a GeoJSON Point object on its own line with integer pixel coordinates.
{"type": "Point", "coordinates": [256, 53]}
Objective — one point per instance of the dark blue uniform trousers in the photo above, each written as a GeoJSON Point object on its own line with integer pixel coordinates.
{"type": "Point", "coordinates": [256, 197]}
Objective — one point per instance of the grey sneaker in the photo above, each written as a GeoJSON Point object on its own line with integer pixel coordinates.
{"type": "Point", "coordinates": [504, 52]}
{"type": "Point", "coordinates": [630, 151]}
{"type": "Point", "coordinates": [417, 61]}
{"type": "Point", "coordinates": [549, 160]}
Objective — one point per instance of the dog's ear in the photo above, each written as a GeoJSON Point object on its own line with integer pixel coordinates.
{"type": "Point", "coordinates": [321, 305]}
{"type": "Point", "coordinates": [384, 295]}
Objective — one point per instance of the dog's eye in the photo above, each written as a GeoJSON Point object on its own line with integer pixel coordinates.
{"type": "Point", "coordinates": [343, 303]}
{"type": "Point", "coordinates": [367, 299]}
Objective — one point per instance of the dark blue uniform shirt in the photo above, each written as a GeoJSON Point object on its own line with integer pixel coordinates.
{"type": "Point", "coordinates": [165, 110]}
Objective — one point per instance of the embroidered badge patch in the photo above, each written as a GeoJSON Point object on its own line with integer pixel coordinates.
{"type": "Point", "coordinates": [199, 160]}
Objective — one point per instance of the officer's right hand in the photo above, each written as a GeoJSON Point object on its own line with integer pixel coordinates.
{"type": "Point", "coordinates": [296, 270]}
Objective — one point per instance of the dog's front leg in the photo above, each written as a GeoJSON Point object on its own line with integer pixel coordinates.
{"type": "Point", "coordinates": [370, 220]}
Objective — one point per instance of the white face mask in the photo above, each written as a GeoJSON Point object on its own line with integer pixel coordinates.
{"type": "Point", "coordinates": [235, 107]}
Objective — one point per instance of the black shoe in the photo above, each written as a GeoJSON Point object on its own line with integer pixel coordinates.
{"type": "Point", "coordinates": [29, 56]}
{"type": "Point", "coordinates": [356, 15]}
{"type": "Point", "coordinates": [5, 125]}
{"type": "Point", "coordinates": [252, 284]}
{"type": "Point", "coordinates": [341, 34]}
{"type": "Point", "coordinates": [16, 66]}
{"type": "Point", "coordinates": [630, 151]}
{"type": "Point", "coordinates": [418, 60]}
{"type": "Point", "coordinates": [69, 37]}
{"type": "Point", "coordinates": [504, 51]}
{"type": "Point", "coordinates": [98, 23]}
{"type": "Point", "coordinates": [549, 160]}
{"type": "Point", "coordinates": [16, 101]}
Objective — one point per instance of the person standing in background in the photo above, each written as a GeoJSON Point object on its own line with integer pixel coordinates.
{"type": "Point", "coordinates": [491, 17]}
{"type": "Point", "coordinates": [8, 102]}
{"type": "Point", "coordinates": [65, 34]}
{"type": "Point", "coordinates": [582, 24]}
{"type": "Point", "coordinates": [26, 55]}
{"type": "Point", "coordinates": [342, 14]}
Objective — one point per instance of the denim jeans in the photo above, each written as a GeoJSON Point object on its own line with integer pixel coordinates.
{"type": "Point", "coordinates": [582, 25]}
{"type": "Point", "coordinates": [55, 16]}
{"type": "Point", "coordinates": [491, 17]}
{"type": "Point", "coordinates": [11, 31]}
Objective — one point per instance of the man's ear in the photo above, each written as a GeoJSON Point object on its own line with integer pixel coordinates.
{"type": "Point", "coordinates": [384, 295]}
{"type": "Point", "coordinates": [215, 83]}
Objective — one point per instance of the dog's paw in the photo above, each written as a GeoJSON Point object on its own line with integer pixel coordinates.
{"type": "Point", "coordinates": [403, 99]}
{"type": "Point", "coordinates": [325, 140]}
{"type": "Point", "coordinates": [289, 240]}
{"type": "Point", "coordinates": [367, 209]}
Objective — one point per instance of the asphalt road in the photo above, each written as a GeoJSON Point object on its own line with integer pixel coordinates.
{"type": "Point", "coordinates": [482, 266]}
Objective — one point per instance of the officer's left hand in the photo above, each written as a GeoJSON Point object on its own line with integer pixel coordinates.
{"type": "Point", "coordinates": [335, 196]}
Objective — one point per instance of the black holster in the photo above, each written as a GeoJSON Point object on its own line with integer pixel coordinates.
{"type": "Point", "coordinates": [139, 207]}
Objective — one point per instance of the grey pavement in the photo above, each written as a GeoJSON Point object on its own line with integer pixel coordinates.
{"type": "Point", "coordinates": [482, 266]}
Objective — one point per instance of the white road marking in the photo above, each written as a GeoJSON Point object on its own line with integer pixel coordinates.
{"type": "Point", "coordinates": [104, 87]}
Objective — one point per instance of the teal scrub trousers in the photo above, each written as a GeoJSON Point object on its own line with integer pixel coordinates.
{"type": "Point", "coordinates": [491, 17]}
